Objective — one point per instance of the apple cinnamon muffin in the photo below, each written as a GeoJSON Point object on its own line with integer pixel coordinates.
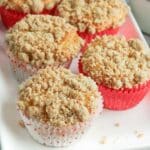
{"type": "Point", "coordinates": [38, 41]}
{"type": "Point", "coordinates": [57, 105]}
{"type": "Point", "coordinates": [117, 64]}
{"type": "Point", "coordinates": [94, 17]}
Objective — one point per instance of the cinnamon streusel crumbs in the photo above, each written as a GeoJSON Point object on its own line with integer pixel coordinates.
{"type": "Point", "coordinates": [93, 16]}
{"type": "Point", "coordinates": [59, 97]}
{"type": "Point", "coordinates": [42, 40]}
{"type": "Point", "coordinates": [117, 124]}
{"type": "Point", "coordinates": [117, 63]}
{"type": "Point", "coordinates": [139, 134]}
{"type": "Point", "coordinates": [21, 123]}
{"type": "Point", "coordinates": [28, 6]}
{"type": "Point", "coordinates": [103, 140]}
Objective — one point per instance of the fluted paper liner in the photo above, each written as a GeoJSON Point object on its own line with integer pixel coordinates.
{"type": "Point", "coordinates": [10, 17]}
{"type": "Point", "coordinates": [121, 99]}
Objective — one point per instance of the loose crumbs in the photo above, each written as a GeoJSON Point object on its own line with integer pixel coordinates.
{"type": "Point", "coordinates": [117, 124]}
{"type": "Point", "coordinates": [103, 140]}
{"type": "Point", "coordinates": [139, 134]}
{"type": "Point", "coordinates": [21, 123]}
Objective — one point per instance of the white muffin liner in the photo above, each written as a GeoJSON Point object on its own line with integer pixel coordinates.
{"type": "Point", "coordinates": [23, 70]}
{"type": "Point", "coordinates": [58, 136]}
{"type": "Point", "coordinates": [19, 73]}
{"type": "Point", "coordinates": [54, 136]}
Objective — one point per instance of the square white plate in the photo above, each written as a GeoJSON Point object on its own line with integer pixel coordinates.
{"type": "Point", "coordinates": [133, 131]}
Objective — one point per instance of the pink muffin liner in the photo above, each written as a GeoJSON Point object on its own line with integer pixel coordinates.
{"type": "Point", "coordinates": [10, 17]}
{"type": "Point", "coordinates": [121, 99]}
{"type": "Point", "coordinates": [49, 135]}
{"type": "Point", "coordinates": [23, 70]}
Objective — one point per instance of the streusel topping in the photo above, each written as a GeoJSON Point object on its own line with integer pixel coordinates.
{"type": "Point", "coordinates": [93, 16]}
{"type": "Point", "coordinates": [28, 6]}
{"type": "Point", "coordinates": [117, 63]}
{"type": "Point", "coordinates": [58, 97]}
{"type": "Point", "coordinates": [42, 40]}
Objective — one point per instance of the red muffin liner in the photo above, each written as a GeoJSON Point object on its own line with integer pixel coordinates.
{"type": "Point", "coordinates": [10, 17]}
{"type": "Point", "coordinates": [88, 37]}
{"type": "Point", "coordinates": [1, 9]}
{"type": "Point", "coordinates": [121, 99]}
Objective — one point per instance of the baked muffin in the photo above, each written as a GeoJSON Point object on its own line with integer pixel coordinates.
{"type": "Point", "coordinates": [57, 105]}
{"type": "Point", "coordinates": [121, 69]}
{"type": "Point", "coordinates": [15, 10]}
{"type": "Point", "coordinates": [93, 17]}
{"type": "Point", "coordinates": [38, 41]}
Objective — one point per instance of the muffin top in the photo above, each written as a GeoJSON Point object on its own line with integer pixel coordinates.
{"type": "Point", "coordinates": [58, 97]}
{"type": "Point", "coordinates": [93, 16]}
{"type": "Point", "coordinates": [28, 6]}
{"type": "Point", "coordinates": [41, 40]}
{"type": "Point", "coordinates": [117, 63]}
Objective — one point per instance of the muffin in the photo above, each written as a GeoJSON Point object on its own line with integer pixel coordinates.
{"type": "Point", "coordinates": [38, 41]}
{"type": "Point", "coordinates": [120, 68]}
{"type": "Point", "coordinates": [14, 10]}
{"type": "Point", "coordinates": [93, 17]}
{"type": "Point", "coordinates": [57, 106]}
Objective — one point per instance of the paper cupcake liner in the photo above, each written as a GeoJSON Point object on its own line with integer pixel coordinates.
{"type": "Point", "coordinates": [54, 136]}
{"type": "Point", "coordinates": [49, 135]}
{"type": "Point", "coordinates": [88, 37]}
{"type": "Point", "coordinates": [20, 74]}
{"type": "Point", "coordinates": [23, 70]}
{"type": "Point", "coordinates": [124, 98]}
{"type": "Point", "coordinates": [10, 17]}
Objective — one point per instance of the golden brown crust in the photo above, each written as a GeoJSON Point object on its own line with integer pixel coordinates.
{"type": "Point", "coordinates": [28, 6]}
{"type": "Point", "coordinates": [93, 16]}
{"type": "Point", "coordinates": [117, 63]}
{"type": "Point", "coordinates": [42, 40]}
{"type": "Point", "coordinates": [58, 97]}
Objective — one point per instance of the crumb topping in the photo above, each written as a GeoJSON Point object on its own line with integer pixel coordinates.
{"type": "Point", "coordinates": [28, 6]}
{"type": "Point", "coordinates": [42, 40]}
{"type": "Point", "coordinates": [117, 63]}
{"type": "Point", "coordinates": [117, 124]}
{"type": "Point", "coordinates": [21, 124]}
{"type": "Point", "coordinates": [59, 97]}
{"type": "Point", "coordinates": [139, 134]}
{"type": "Point", "coordinates": [93, 16]}
{"type": "Point", "coordinates": [103, 140]}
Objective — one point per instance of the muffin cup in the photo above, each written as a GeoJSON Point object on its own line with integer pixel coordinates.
{"type": "Point", "coordinates": [124, 98]}
{"type": "Point", "coordinates": [49, 135]}
{"type": "Point", "coordinates": [23, 70]}
{"type": "Point", "coordinates": [10, 17]}
{"type": "Point", "coordinates": [121, 99]}
{"type": "Point", "coordinates": [88, 37]}
{"type": "Point", "coordinates": [54, 136]}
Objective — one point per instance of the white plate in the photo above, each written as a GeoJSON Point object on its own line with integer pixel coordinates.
{"type": "Point", "coordinates": [13, 137]}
